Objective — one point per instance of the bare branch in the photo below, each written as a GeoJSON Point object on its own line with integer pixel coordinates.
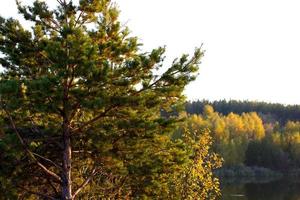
{"type": "Point", "coordinates": [48, 160]}
{"type": "Point", "coordinates": [31, 155]}
{"type": "Point", "coordinates": [75, 111]}
{"type": "Point", "coordinates": [79, 129]}
{"type": "Point", "coordinates": [60, 2]}
{"type": "Point", "coordinates": [49, 25]}
{"type": "Point", "coordinates": [93, 173]}
{"type": "Point", "coordinates": [78, 18]}
{"type": "Point", "coordinates": [82, 151]}
{"type": "Point", "coordinates": [87, 180]}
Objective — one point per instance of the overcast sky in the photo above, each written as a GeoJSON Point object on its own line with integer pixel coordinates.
{"type": "Point", "coordinates": [252, 46]}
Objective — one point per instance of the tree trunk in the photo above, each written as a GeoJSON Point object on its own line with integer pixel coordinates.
{"type": "Point", "coordinates": [67, 156]}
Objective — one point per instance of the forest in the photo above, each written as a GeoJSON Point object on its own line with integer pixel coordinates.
{"type": "Point", "coordinates": [269, 112]}
{"type": "Point", "coordinates": [85, 113]}
{"type": "Point", "coordinates": [249, 133]}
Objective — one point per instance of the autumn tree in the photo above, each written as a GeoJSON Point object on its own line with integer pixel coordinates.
{"type": "Point", "coordinates": [196, 180]}
{"type": "Point", "coordinates": [80, 106]}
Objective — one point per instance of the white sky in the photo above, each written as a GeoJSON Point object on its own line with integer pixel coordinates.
{"type": "Point", "coordinates": [252, 46]}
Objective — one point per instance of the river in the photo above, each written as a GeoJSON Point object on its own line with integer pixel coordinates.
{"type": "Point", "coordinates": [281, 189]}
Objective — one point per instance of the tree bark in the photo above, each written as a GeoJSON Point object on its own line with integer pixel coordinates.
{"type": "Point", "coordinates": [67, 160]}
{"type": "Point", "coordinates": [67, 152]}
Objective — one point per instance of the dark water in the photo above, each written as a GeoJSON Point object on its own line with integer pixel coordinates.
{"type": "Point", "coordinates": [282, 189]}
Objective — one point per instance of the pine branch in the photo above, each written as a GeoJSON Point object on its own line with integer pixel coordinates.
{"type": "Point", "coordinates": [45, 56]}
{"type": "Point", "coordinates": [79, 129]}
{"type": "Point", "coordinates": [48, 160]}
{"type": "Point", "coordinates": [82, 151]}
{"type": "Point", "coordinates": [53, 187]}
{"type": "Point", "coordinates": [94, 172]}
{"type": "Point", "coordinates": [75, 111]}
{"type": "Point", "coordinates": [30, 153]}
{"type": "Point", "coordinates": [78, 18]}
{"type": "Point", "coordinates": [37, 193]}
{"type": "Point", "coordinates": [86, 182]}
{"type": "Point", "coordinates": [60, 2]}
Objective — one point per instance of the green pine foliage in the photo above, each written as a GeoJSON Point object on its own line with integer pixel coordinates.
{"type": "Point", "coordinates": [81, 109]}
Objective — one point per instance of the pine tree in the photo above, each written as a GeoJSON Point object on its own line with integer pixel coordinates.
{"type": "Point", "coordinates": [80, 106]}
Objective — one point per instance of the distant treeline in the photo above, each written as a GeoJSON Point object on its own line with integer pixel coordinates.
{"type": "Point", "coordinates": [245, 140]}
{"type": "Point", "coordinates": [269, 112]}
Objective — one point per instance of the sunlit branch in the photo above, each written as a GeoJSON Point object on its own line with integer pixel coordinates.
{"type": "Point", "coordinates": [87, 180]}
{"type": "Point", "coordinates": [48, 160]}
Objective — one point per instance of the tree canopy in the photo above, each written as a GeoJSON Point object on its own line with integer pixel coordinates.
{"type": "Point", "coordinates": [270, 112]}
{"type": "Point", "coordinates": [81, 108]}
